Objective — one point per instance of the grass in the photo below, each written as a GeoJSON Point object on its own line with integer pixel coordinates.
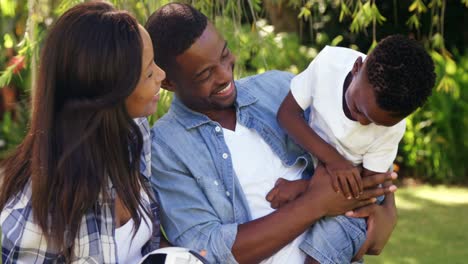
{"type": "Point", "coordinates": [432, 227]}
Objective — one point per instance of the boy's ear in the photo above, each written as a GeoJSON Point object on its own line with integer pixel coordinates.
{"type": "Point", "coordinates": [168, 85]}
{"type": "Point", "coordinates": [357, 66]}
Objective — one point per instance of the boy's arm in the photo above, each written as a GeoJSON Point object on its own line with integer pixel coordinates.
{"type": "Point", "coordinates": [290, 117]}
{"type": "Point", "coordinates": [286, 191]}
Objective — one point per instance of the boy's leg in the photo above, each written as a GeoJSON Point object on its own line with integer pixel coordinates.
{"type": "Point", "coordinates": [334, 240]}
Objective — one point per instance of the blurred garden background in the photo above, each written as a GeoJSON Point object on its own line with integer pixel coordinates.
{"type": "Point", "coordinates": [287, 35]}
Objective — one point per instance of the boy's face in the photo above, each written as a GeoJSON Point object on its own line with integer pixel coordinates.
{"type": "Point", "coordinates": [361, 101]}
{"type": "Point", "coordinates": [205, 74]}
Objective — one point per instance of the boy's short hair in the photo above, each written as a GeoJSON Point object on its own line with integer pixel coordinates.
{"type": "Point", "coordinates": [173, 28]}
{"type": "Point", "coordinates": [402, 74]}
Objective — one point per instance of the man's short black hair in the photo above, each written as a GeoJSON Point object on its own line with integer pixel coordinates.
{"type": "Point", "coordinates": [173, 28]}
{"type": "Point", "coordinates": [402, 74]}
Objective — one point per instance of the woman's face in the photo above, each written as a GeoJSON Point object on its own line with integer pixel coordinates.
{"type": "Point", "coordinates": [143, 101]}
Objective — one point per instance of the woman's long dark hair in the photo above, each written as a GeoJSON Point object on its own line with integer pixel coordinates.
{"type": "Point", "coordinates": [81, 138]}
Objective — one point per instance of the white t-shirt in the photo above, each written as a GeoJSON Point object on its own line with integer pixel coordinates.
{"type": "Point", "coordinates": [320, 86]}
{"type": "Point", "coordinates": [257, 167]}
{"type": "Point", "coordinates": [129, 247]}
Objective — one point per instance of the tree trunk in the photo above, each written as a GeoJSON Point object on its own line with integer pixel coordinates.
{"type": "Point", "coordinates": [281, 16]}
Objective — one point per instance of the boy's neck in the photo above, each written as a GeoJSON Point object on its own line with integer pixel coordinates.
{"type": "Point", "coordinates": [346, 84]}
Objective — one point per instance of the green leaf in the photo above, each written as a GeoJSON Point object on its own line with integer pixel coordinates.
{"type": "Point", "coordinates": [7, 41]}
{"type": "Point", "coordinates": [345, 11]}
{"type": "Point", "coordinates": [413, 22]}
{"type": "Point", "coordinates": [7, 8]}
{"type": "Point", "coordinates": [337, 40]}
{"type": "Point", "coordinates": [5, 77]}
{"type": "Point", "coordinates": [305, 13]}
{"type": "Point", "coordinates": [437, 41]}
{"type": "Point", "coordinates": [418, 6]}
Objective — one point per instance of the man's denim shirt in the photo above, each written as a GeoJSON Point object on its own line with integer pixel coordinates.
{"type": "Point", "coordinates": [201, 198]}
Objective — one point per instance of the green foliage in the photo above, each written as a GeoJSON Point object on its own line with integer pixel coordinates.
{"type": "Point", "coordinates": [435, 145]}
{"type": "Point", "coordinates": [12, 131]}
{"type": "Point", "coordinates": [266, 49]}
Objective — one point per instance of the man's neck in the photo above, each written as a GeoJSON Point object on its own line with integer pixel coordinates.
{"type": "Point", "coordinates": [225, 117]}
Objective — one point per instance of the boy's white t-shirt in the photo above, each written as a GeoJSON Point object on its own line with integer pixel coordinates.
{"type": "Point", "coordinates": [320, 86]}
{"type": "Point", "coordinates": [257, 167]}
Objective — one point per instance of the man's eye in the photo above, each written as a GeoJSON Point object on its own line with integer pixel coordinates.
{"type": "Point", "coordinates": [205, 76]}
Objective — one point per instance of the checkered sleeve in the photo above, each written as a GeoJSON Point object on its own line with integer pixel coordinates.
{"type": "Point", "coordinates": [145, 161]}
{"type": "Point", "coordinates": [22, 239]}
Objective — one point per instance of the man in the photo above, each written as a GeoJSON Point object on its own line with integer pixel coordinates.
{"type": "Point", "coordinates": [209, 179]}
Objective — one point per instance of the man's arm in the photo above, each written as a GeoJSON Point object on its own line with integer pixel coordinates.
{"type": "Point", "coordinates": [261, 238]}
{"type": "Point", "coordinates": [381, 221]}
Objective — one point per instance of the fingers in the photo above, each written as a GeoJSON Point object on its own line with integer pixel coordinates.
{"type": "Point", "coordinates": [358, 178]}
{"type": "Point", "coordinates": [271, 195]}
{"type": "Point", "coordinates": [353, 184]}
{"type": "Point", "coordinates": [363, 203]}
{"type": "Point", "coordinates": [363, 211]}
{"type": "Point", "coordinates": [334, 181]}
{"type": "Point", "coordinates": [279, 181]}
{"type": "Point", "coordinates": [377, 191]}
{"type": "Point", "coordinates": [344, 187]}
{"type": "Point", "coordinates": [376, 179]}
{"type": "Point", "coordinates": [274, 204]}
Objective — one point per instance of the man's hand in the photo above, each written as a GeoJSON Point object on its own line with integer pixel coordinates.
{"type": "Point", "coordinates": [346, 178]}
{"type": "Point", "coordinates": [331, 203]}
{"type": "Point", "coordinates": [285, 191]}
{"type": "Point", "coordinates": [381, 220]}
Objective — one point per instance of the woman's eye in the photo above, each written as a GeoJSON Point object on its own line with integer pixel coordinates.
{"type": "Point", "coordinates": [150, 75]}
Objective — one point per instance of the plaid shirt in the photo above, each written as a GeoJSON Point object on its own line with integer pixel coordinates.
{"type": "Point", "coordinates": [24, 242]}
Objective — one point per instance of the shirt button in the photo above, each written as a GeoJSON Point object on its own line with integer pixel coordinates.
{"type": "Point", "coordinates": [227, 193]}
{"type": "Point", "coordinates": [225, 155]}
{"type": "Point", "coordinates": [217, 129]}
{"type": "Point", "coordinates": [216, 183]}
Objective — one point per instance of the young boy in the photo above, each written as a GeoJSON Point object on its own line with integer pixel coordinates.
{"type": "Point", "coordinates": [358, 106]}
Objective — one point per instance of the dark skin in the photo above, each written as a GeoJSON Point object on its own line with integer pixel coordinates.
{"type": "Point", "coordinates": [203, 81]}
{"type": "Point", "coordinates": [359, 104]}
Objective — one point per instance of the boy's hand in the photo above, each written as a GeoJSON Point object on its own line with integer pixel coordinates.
{"type": "Point", "coordinates": [285, 191]}
{"type": "Point", "coordinates": [346, 178]}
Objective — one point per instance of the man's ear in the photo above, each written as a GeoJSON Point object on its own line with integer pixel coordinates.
{"type": "Point", "coordinates": [168, 85]}
{"type": "Point", "coordinates": [357, 66]}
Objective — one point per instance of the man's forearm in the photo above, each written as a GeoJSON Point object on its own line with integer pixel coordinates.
{"type": "Point", "coordinates": [261, 238]}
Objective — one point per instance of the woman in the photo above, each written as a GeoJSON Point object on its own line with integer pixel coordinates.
{"type": "Point", "coordinates": [77, 187]}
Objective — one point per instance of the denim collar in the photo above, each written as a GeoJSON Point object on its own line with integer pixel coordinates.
{"type": "Point", "coordinates": [192, 119]}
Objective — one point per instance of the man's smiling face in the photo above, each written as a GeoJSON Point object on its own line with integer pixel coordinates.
{"type": "Point", "coordinates": [205, 73]}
